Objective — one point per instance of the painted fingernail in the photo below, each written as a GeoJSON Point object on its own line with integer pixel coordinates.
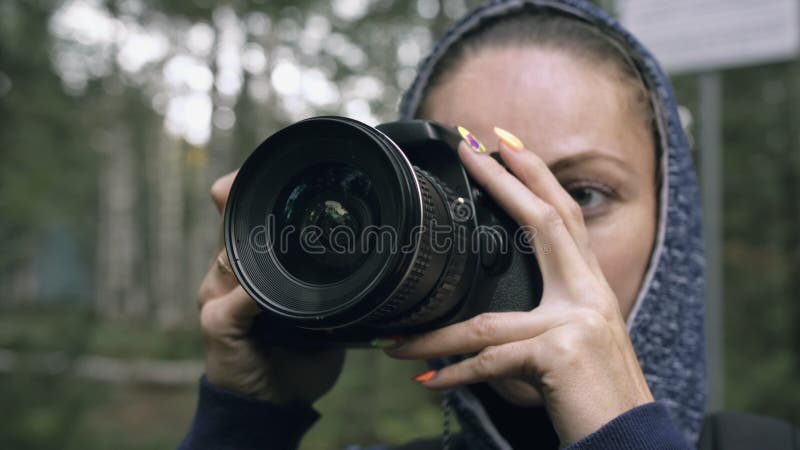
{"type": "Point", "coordinates": [387, 342]}
{"type": "Point", "coordinates": [470, 139]}
{"type": "Point", "coordinates": [222, 264]}
{"type": "Point", "coordinates": [509, 139]}
{"type": "Point", "coordinates": [424, 376]}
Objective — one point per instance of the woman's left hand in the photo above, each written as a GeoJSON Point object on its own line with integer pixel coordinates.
{"type": "Point", "coordinates": [574, 347]}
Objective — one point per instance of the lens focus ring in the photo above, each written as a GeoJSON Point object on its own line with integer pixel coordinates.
{"type": "Point", "coordinates": [444, 296]}
{"type": "Point", "coordinates": [429, 289]}
{"type": "Point", "coordinates": [426, 266]}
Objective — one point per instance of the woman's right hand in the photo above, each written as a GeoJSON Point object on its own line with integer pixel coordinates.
{"type": "Point", "coordinates": [234, 361]}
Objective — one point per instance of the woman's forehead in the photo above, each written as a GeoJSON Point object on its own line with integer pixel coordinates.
{"type": "Point", "coordinates": [556, 103]}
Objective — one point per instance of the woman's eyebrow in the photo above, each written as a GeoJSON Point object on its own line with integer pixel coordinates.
{"type": "Point", "coordinates": [585, 156]}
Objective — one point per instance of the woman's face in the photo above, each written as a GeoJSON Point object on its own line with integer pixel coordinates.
{"type": "Point", "coordinates": [583, 122]}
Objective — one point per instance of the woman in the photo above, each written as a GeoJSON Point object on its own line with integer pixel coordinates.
{"type": "Point", "coordinates": [598, 164]}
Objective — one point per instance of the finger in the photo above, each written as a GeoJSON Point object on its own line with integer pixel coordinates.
{"type": "Point", "coordinates": [220, 190]}
{"type": "Point", "coordinates": [475, 334]}
{"type": "Point", "coordinates": [512, 360]}
{"type": "Point", "coordinates": [556, 251]}
{"type": "Point", "coordinates": [231, 314]}
{"type": "Point", "coordinates": [223, 265]}
{"type": "Point", "coordinates": [239, 306]}
{"type": "Point", "coordinates": [534, 173]}
{"type": "Point", "coordinates": [218, 281]}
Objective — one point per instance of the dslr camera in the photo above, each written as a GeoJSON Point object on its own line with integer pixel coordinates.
{"type": "Point", "coordinates": [344, 233]}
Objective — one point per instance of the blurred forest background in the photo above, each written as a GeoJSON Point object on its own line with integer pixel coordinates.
{"type": "Point", "coordinates": [117, 115]}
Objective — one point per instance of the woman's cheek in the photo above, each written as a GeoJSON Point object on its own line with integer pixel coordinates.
{"type": "Point", "coordinates": [622, 242]}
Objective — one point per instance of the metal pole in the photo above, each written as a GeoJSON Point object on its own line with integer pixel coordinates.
{"type": "Point", "coordinates": [710, 99]}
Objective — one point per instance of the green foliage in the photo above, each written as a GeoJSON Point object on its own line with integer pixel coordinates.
{"type": "Point", "coordinates": [38, 413]}
{"type": "Point", "coordinates": [42, 157]}
{"type": "Point", "coordinates": [76, 331]}
{"type": "Point", "coordinates": [761, 183]}
{"type": "Point", "coordinates": [762, 245]}
{"type": "Point", "coordinates": [374, 400]}
{"type": "Point", "coordinates": [60, 412]}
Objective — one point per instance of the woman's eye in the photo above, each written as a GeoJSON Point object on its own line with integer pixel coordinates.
{"type": "Point", "coordinates": [587, 197]}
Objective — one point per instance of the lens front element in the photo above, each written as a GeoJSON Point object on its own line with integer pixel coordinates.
{"type": "Point", "coordinates": [329, 206]}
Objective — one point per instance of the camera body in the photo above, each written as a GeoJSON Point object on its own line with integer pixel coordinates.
{"type": "Point", "coordinates": [456, 254]}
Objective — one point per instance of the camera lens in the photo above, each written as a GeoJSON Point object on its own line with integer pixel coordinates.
{"type": "Point", "coordinates": [333, 203]}
{"type": "Point", "coordinates": [328, 224]}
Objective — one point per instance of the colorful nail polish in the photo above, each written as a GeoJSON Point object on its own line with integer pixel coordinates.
{"type": "Point", "coordinates": [387, 342]}
{"type": "Point", "coordinates": [509, 139]}
{"type": "Point", "coordinates": [424, 376]}
{"type": "Point", "coordinates": [470, 139]}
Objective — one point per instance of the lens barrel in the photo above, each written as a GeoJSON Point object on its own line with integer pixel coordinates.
{"type": "Point", "coordinates": [328, 224]}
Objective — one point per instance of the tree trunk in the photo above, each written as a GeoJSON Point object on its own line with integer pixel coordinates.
{"type": "Point", "coordinates": [165, 175]}
{"type": "Point", "coordinates": [120, 292]}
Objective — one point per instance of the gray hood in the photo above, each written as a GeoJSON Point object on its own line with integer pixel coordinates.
{"type": "Point", "coordinates": [666, 323]}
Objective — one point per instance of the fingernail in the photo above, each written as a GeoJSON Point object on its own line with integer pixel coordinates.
{"type": "Point", "coordinates": [387, 342]}
{"type": "Point", "coordinates": [470, 139]}
{"type": "Point", "coordinates": [509, 139]}
{"type": "Point", "coordinates": [424, 376]}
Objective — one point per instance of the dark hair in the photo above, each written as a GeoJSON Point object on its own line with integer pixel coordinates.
{"type": "Point", "coordinates": [549, 29]}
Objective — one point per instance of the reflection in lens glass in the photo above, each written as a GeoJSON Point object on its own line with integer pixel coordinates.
{"type": "Point", "coordinates": [321, 215]}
